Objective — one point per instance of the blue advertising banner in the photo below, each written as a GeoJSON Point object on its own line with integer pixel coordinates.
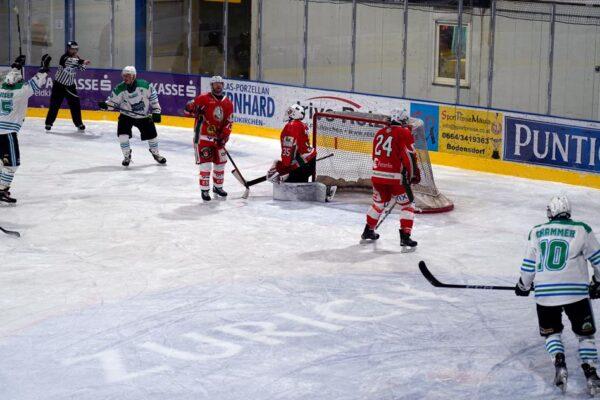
{"type": "Point", "coordinates": [430, 114]}
{"type": "Point", "coordinates": [94, 85]}
{"type": "Point", "coordinates": [552, 145]}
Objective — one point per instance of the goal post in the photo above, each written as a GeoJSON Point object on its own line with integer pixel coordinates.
{"type": "Point", "coordinates": [349, 137]}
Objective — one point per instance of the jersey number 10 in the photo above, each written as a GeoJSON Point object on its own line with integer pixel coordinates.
{"type": "Point", "coordinates": [385, 145]}
{"type": "Point", "coordinates": [554, 255]}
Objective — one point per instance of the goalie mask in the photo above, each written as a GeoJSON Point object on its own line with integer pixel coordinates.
{"type": "Point", "coordinates": [13, 77]}
{"type": "Point", "coordinates": [295, 111]}
{"type": "Point", "coordinates": [399, 116]}
{"type": "Point", "coordinates": [559, 207]}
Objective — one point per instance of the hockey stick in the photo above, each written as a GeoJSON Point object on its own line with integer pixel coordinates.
{"type": "Point", "coordinates": [238, 175]}
{"type": "Point", "coordinates": [117, 108]}
{"type": "Point", "coordinates": [19, 28]}
{"type": "Point", "coordinates": [10, 233]}
{"type": "Point", "coordinates": [433, 280]}
{"type": "Point", "coordinates": [264, 178]}
{"type": "Point", "coordinates": [387, 212]}
{"type": "Point", "coordinates": [411, 198]}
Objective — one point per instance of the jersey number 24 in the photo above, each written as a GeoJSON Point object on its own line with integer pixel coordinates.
{"type": "Point", "coordinates": [385, 145]}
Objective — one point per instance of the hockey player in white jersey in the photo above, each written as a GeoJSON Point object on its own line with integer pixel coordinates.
{"type": "Point", "coordinates": [555, 264]}
{"type": "Point", "coordinates": [14, 98]}
{"type": "Point", "coordinates": [137, 101]}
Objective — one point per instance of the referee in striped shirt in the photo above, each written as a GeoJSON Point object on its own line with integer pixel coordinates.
{"type": "Point", "coordinates": [64, 86]}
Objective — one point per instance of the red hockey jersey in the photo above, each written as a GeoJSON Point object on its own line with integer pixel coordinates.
{"type": "Point", "coordinates": [393, 155]}
{"type": "Point", "coordinates": [295, 146]}
{"type": "Point", "coordinates": [214, 116]}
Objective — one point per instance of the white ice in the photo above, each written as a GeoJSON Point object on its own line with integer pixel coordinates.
{"type": "Point", "coordinates": [125, 286]}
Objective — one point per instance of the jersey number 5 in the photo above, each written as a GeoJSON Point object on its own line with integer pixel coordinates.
{"type": "Point", "coordinates": [385, 145]}
{"type": "Point", "coordinates": [554, 255]}
{"type": "Point", "coordinates": [6, 107]}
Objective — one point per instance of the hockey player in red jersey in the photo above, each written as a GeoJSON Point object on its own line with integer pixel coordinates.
{"type": "Point", "coordinates": [214, 115]}
{"type": "Point", "coordinates": [298, 158]}
{"type": "Point", "coordinates": [394, 169]}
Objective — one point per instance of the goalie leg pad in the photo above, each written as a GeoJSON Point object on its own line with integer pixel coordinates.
{"type": "Point", "coordinates": [309, 191]}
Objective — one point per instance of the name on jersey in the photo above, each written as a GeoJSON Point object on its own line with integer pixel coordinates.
{"type": "Point", "coordinates": [6, 95]}
{"type": "Point", "coordinates": [564, 232]}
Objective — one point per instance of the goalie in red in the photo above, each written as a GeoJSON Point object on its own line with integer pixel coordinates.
{"type": "Point", "coordinates": [298, 158]}
{"type": "Point", "coordinates": [395, 168]}
{"type": "Point", "coordinates": [214, 116]}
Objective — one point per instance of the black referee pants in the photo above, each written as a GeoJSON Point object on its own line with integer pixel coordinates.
{"type": "Point", "coordinates": [59, 93]}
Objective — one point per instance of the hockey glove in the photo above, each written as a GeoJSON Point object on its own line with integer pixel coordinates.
{"type": "Point", "coordinates": [45, 63]}
{"type": "Point", "coordinates": [156, 117]}
{"type": "Point", "coordinates": [276, 171]}
{"type": "Point", "coordinates": [190, 109]}
{"type": "Point", "coordinates": [19, 62]}
{"type": "Point", "coordinates": [594, 288]}
{"type": "Point", "coordinates": [103, 105]}
{"type": "Point", "coordinates": [521, 290]}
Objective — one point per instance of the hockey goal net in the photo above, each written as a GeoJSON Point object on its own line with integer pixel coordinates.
{"type": "Point", "coordinates": [349, 137]}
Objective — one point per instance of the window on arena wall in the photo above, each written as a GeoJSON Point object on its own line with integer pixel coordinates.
{"type": "Point", "coordinates": [446, 50]}
{"type": "Point", "coordinates": [169, 35]}
{"type": "Point", "coordinates": [238, 53]}
{"type": "Point", "coordinates": [207, 37]}
{"type": "Point", "coordinates": [208, 41]}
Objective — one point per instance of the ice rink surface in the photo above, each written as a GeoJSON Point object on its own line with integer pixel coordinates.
{"type": "Point", "coordinates": [125, 286]}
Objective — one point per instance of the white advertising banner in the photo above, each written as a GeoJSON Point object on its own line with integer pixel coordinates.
{"type": "Point", "coordinates": [264, 104]}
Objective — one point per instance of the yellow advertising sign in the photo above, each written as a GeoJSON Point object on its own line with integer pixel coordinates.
{"type": "Point", "coordinates": [476, 133]}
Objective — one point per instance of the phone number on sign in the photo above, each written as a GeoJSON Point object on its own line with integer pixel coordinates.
{"type": "Point", "coordinates": [465, 138]}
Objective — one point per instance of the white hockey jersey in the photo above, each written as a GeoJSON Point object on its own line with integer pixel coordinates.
{"type": "Point", "coordinates": [142, 99]}
{"type": "Point", "coordinates": [14, 101]}
{"type": "Point", "coordinates": [556, 261]}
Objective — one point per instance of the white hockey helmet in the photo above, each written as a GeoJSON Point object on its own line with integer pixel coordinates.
{"type": "Point", "coordinates": [559, 206]}
{"type": "Point", "coordinates": [216, 79]}
{"type": "Point", "coordinates": [13, 77]}
{"type": "Point", "coordinates": [129, 70]}
{"type": "Point", "coordinates": [399, 116]}
{"type": "Point", "coordinates": [296, 111]}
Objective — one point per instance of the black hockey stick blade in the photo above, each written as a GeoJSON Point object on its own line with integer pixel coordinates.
{"type": "Point", "coordinates": [435, 282]}
{"type": "Point", "coordinates": [264, 178]}
{"type": "Point", "coordinates": [10, 233]}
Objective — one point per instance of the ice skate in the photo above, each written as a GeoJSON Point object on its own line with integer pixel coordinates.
{"type": "Point", "coordinates": [158, 158]}
{"type": "Point", "coordinates": [5, 197]}
{"type": "Point", "coordinates": [205, 195]}
{"type": "Point", "coordinates": [369, 235]}
{"type": "Point", "coordinates": [592, 379]}
{"type": "Point", "coordinates": [560, 377]}
{"type": "Point", "coordinates": [406, 241]}
{"type": "Point", "coordinates": [126, 159]}
{"type": "Point", "coordinates": [219, 192]}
